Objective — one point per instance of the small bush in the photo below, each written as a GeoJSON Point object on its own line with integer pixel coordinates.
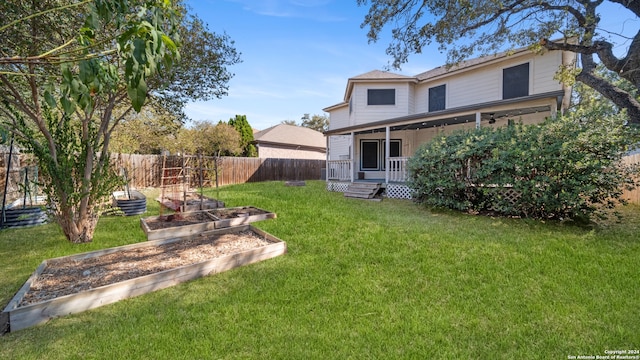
{"type": "Point", "coordinates": [565, 168]}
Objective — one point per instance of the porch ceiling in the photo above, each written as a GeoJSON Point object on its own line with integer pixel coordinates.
{"type": "Point", "coordinates": [514, 107]}
{"type": "Point", "coordinates": [458, 119]}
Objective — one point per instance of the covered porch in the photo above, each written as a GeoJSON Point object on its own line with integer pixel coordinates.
{"type": "Point", "coordinates": [379, 151]}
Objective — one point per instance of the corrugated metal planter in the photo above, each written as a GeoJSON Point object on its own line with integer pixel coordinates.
{"type": "Point", "coordinates": [16, 317]}
{"type": "Point", "coordinates": [23, 217]}
{"type": "Point", "coordinates": [130, 202]}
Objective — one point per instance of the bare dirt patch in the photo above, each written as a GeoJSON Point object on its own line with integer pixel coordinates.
{"type": "Point", "coordinates": [64, 277]}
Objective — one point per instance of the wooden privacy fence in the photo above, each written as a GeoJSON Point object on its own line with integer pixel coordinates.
{"type": "Point", "coordinates": [147, 170]}
{"type": "Point", "coordinates": [632, 196]}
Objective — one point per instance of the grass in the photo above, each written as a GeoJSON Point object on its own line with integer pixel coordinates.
{"type": "Point", "coordinates": [360, 280]}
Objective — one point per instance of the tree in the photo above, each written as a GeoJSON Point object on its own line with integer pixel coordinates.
{"type": "Point", "coordinates": [207, 139]}
{"type": "Point", "coordinates": [241, 124]}
{"type": "Point", "coordinates": [203, 70]}
{"type": "Point", "coordinates": [201, 74]}
{"type": "Point", "coordinates": [466, 27]}
{"type": "Point", "coordinates": [289, 122]}
{"type": "Point", "coordinates": [65, 70]}
{"type": "Point", "coordinates": [316, 122]}
{"type": "Point", "coordinates": [148, 132]}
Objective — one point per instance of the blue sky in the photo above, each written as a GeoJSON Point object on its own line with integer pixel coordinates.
{"type": "Point", "coordinates": [298, 54]}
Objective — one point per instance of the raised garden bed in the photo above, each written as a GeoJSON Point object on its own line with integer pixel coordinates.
{"type": "Point", "coordinates": [76, 283]}
{"type": "Point", "coordinates": [24, 216]}
{"type": "Point", "coordinates": [131, 202]}
{"type": "Point", "coordinates": [189, 202]}
{"type": "Point", "coordinates": [183, 224]}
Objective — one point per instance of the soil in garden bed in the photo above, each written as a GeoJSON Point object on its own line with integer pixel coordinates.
{"type": "Point", "coordinates": [236, 212]}
{"type": "Point", "coordinates": [178, 219]}
{"type": "Point", "coordinates": [64, 277]}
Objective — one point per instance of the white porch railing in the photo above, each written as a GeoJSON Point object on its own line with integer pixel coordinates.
{"type": "Point", "coordinates": [397, 169]}
{"type": "Point", "coordinates": [339, 170]}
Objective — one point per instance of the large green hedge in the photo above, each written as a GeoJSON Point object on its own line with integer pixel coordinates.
{"type": "Point", "coordinates": [565, 168]}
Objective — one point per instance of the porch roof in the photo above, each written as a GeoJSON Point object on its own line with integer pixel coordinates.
{"type": "Point", "coordinates": [459, 115]}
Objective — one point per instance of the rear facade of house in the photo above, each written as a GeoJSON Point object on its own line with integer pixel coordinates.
{"type": "Point", "coordinates": [385, 117]}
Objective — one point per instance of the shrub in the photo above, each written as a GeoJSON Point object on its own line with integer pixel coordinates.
{"type": "Point", "coordinates": [564, 168]}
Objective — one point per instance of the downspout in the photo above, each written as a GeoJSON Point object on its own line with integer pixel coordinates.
{"type": "Point", "coordinates": [478, 118]}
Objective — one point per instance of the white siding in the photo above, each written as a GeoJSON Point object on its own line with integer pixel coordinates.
{"type": "Point", "coordinates": [544, 70]}
{"type": "Point", "coordinates": [475, 87]}
{"type": "Point", "coordinates": [485, 84]}
{"type": "Point", "coordinates": [363, 113]}
{"type": "Point", "coordinates": [339, 147]}
{"type": "Point", "coordinates": [411, 106]}
{"type": "Point", "coordinates": [339, 118]}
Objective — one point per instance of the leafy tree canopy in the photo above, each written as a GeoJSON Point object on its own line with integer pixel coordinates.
{"type": "Point", "coordinates": [66, 69]}
{"type": "Point", "coordinates": [241, 124]}
{"type": "Point", "coordinates": [148, 132]}
{"type": "Point", "coordinates": [203, 70]}
{"type": "Point", "coordinates": [208, 139]}
{"type": "Point", "coordinates": [467, 27]}
{"type": "Point", "coordinates": [316, 122]}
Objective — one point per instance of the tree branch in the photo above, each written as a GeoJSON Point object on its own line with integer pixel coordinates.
{"type": "Point", "coordinates": [618, 96]}
{"type": "Point", "coordinates": [632, 5]}
{"type": "Point", "coordinates": [4, 27]}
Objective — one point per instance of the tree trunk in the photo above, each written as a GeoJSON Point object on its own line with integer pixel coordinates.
{"type": "Point", "coordinates": [77, 228]}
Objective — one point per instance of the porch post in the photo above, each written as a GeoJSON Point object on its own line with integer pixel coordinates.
{"type": "Point", "coordinates": [326, 159]}
{"type": "Point", "coordinates": [353, 156]}
{"type": "Point", "coordinates": [387, 148]}
{"type": "Point", "coordinates": [478, 118]}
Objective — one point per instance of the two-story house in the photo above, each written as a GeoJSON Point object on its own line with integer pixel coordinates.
{"type": "Point", "coordinates": [384, 117]}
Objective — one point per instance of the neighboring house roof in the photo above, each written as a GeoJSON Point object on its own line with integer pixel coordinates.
{"type": "Point", "coordinates": [293, 136]}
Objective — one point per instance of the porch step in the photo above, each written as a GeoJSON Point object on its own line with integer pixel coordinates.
{"type": "Point", "coordinates": [362, 190]}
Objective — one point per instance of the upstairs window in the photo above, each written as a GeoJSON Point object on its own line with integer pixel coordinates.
{"type": "Point", "coordinates": [437, 98]}
{"type": "Point", "coordinates": [515, 81]}
{"type": "Point", "coordinates": [381, 96]}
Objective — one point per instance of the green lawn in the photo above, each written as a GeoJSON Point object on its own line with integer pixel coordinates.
{"type": "Point", "coordinates": [361, 280]}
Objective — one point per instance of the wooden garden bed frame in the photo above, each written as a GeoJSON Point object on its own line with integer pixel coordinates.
{"type": "Point", "coordinates": [214, 223]}
{"type": "Point", "coordinates": [16, 317]}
